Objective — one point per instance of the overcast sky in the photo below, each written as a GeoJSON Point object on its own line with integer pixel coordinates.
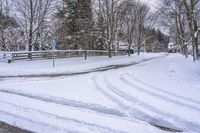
{"type": "Point", "coordinates": [153, 3]}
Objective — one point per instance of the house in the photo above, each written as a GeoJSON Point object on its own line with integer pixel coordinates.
{"type": "Point", "coordinates": [124, 48]}
{"type": "Point", "coordinates": [172, 47]}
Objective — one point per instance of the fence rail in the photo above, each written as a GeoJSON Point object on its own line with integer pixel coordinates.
{"type": "Point", "coordinates": [53, 54]}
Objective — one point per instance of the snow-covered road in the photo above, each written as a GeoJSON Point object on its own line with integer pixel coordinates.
{"type": "Point", "coordinates": [152, 93]}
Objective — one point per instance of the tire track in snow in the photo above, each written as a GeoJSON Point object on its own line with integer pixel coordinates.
{"type": "Point", "coordinates": [107, 95]}
{"type": "Point", "coordinates": [66, 102]}
{"type": "Point", "coordinates": [50, 116]}
{"type": "Point", "coordinates": [164, 91]}
{"type": "Point", "coordinates": [135, 102]}
{"type": "Point", "coordinates": [160, 96]}
{"type": "Point", "coordinates": [36, 123]}
{"type": "Point", "coordinates": [117, 100]}
{"type": "Point", "coordinates": [132, 111]}
{"type": "Point", "coordinates": [184, 123]}
{"type": "Point", "coordinates": [133, 76]}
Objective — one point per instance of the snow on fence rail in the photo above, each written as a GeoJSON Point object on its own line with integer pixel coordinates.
{"type": "Point", "coordinates": [5, 57]}
{"type": "Point", "coordinates": [52, 54]}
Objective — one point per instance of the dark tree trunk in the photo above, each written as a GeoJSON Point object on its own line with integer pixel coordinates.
{"type": "Point", "coordinates": [109, 50]}
{"type": "Point", "coordinates": [129, 50]}
{"type": "Point", "coordinates": [31, 30]}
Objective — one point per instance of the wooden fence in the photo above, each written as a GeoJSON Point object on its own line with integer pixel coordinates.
{"type": "Point", "coordinates": [53, 54]}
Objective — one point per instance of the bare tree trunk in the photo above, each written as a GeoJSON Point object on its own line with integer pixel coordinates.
{"type": "Point", "coordinates": [30, 29]}
{"type": "Point", "coordinates": [109, 50]}
{"type": "Point", "coordinates": [139, 39]}
{"type": "Point", "coordinates": [139, 48]}
{"type": "Point", "coordinates": [196, 38]}
{"type": "Point", "coordinates": [193, 49]}
{"type": "Point", "coordinates": [190, 12]}
{"type": "Point", "coordinates": [109, 19]}
{"type": "Point", "coordinates": [197, 48]}
{"type": "Point", "coordinates": [129, 50]}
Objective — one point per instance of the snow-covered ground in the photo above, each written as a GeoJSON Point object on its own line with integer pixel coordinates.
{"type": "Point", "coordinates": [150, 93]}
{"type": "Point", "coordinates": [68, 65]}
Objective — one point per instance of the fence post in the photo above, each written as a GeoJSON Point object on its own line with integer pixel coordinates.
{"type": "Point", "coordinates": [53, 53]}
{"type": "Point", "coordinates": [85, 54]}
{"type": "Point", "coordinates": [10, 57]}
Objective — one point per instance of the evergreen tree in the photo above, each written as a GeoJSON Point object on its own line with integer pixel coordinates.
{"type": "Point", "coordinates": [72, 15]}
{"type": "Point", "coordinates": [7, 24]}
{"type": "Point", "coordinates": [160, 36]}
{"type": "Point", "coordinates": [162, 39]}
{"type": "Point", "coordinates": [76, 25]}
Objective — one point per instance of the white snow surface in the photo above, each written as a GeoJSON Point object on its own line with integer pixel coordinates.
{"type": "Point", "coordinates": [67, 65]}
{"type": "Point", "coordinates": [163, 91]}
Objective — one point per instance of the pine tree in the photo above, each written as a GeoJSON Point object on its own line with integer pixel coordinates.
{"type": "Point", "coordinates": [77, 23]}
{"type": "Point", "coordinates": [84, 13]}
{"type": "Point", "coordinates": [162, 39]}
{"type": "Point", "coordinates": [6, 22]}
{"type": "Point", "coordinates": [160, 36]}
{"type": "Point", "coordinates": [72, 15]}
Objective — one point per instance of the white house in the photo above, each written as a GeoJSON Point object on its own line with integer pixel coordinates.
{"type": "Point", "coordinates": [172, 47]}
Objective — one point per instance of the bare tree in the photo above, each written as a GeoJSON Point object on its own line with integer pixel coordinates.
{"type": "Point", "coordinates": [190, 10]}
{"type": "Point", "coordinates": [31, 16]}
{"type": "Point", "coordinates": [144, 21]}
{"type": "Point", "coordinates": [129, 22]}
{"type": "Point", "coordinates": [183, 16]}
{"type": "Point", "coordinates": [173, 16]}
{"type": "Point", "coordinates": [108, 10]}
{"type": "Point", "coordinates": [129, 17]}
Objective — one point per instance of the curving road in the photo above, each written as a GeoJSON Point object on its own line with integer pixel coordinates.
{"type": "Point", "coordinates": [133, 98]}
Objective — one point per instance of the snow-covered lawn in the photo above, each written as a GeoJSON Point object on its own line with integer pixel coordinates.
{"type": "Point", "coordinates": [67, 65]}
{"type": "Point", "coordinates": [161, 92]}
